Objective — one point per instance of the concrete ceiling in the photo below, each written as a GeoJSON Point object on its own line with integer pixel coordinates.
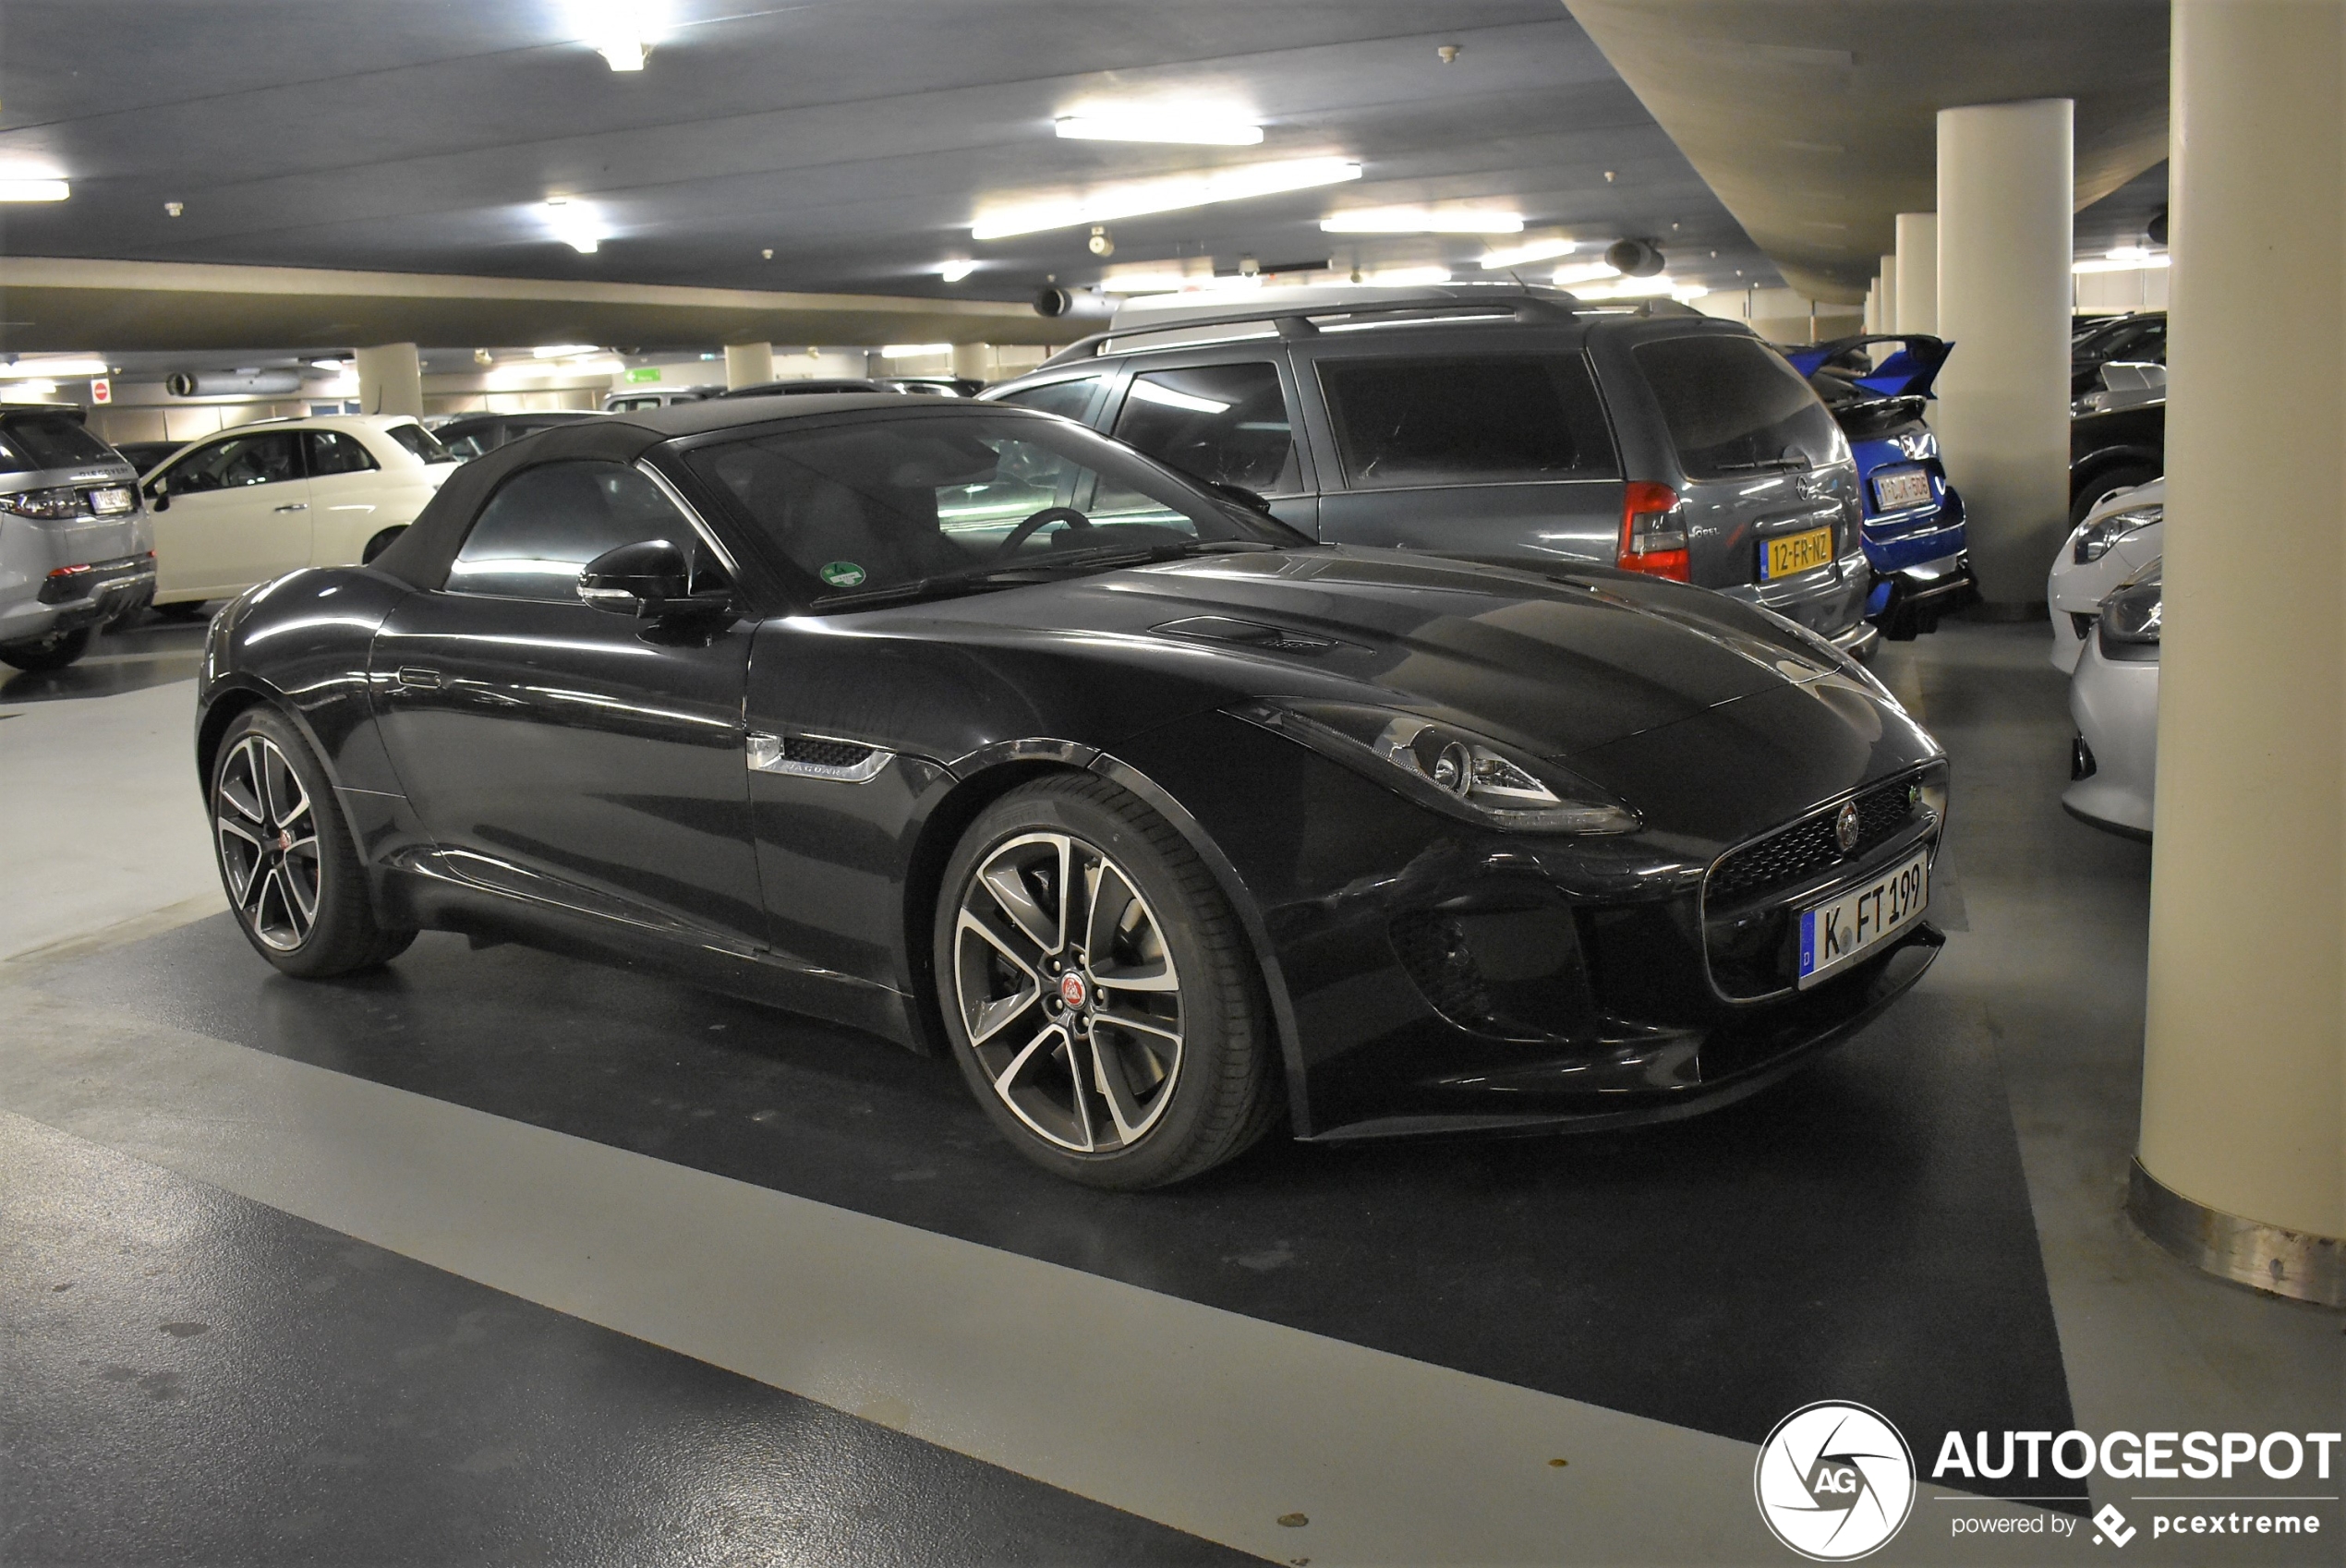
{"type": "Point", "coordinates": [1815, 120]}
{"type": "Point", "coordinates": [854, 140]}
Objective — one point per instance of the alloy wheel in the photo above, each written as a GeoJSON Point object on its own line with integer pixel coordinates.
{"type": "Point", "coordinates": [268, 836]}
{"type": "Point", "coordinates": [1068, 991]}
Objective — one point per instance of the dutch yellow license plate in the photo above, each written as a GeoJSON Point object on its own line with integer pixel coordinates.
{"type": "Point", "coordinates": [1795, 553]}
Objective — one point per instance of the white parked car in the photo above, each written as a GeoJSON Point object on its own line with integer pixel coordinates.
{"type": "Point", "coordinates": [2113, 698]}
{"type": "Point", "coordinates": [2122, 534]}
{"type": "Point", "coordinates": [259, 501]}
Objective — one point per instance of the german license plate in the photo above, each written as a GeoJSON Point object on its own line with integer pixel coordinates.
{"type": "Point", "coordinates": [110, 501]}
{"type": "Point", "coordinates": [1795, 553]}
{"type": "Point", "coordinates": [1900, 489]}
{"type": "Point", "coordinates": [1840, 932]}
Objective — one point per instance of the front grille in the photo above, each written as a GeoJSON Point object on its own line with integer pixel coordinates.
{"type": "Point", "coordinates": [823, 753]}
{"type": "Point", "coordinates": [1808, 846]}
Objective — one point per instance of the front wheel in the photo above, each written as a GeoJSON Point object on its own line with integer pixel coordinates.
{"type": "Point", "coordinates": [1102, 1001]}
{"type": "Point", "coordinates": [52, 652]}
{"type": "Point", "coordinates": [287, 858]}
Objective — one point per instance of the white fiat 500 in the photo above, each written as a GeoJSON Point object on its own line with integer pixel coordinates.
{"type": "Point", "coordinates": [259, 501]}
{"type": "Point", "coordinates": [2122, 534]}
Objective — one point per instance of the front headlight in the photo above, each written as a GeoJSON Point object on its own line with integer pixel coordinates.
{"type": "Point", "coordinates": [1452, 770]}
{"type": "Point", "coordinates": [2131, 616]}
{"type": "Point", "coordinates": [2096, 538]}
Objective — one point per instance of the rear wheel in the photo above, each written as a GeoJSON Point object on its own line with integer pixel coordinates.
{"type": "Point", "coordinates": [1102, 1001]}
{"type": "Point", "coordinates": [2102, 486]}
{"type": "Point", "coordinates": [286, 856]}
{"type": "Point", "coordinates": [52, 652]}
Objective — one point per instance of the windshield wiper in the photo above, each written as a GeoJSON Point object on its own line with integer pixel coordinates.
{"type": "Point", "coordinates": [1765, 465]}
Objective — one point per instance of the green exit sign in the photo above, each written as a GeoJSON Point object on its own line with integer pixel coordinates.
{"type": "Point", "coordinates": [643, 373]}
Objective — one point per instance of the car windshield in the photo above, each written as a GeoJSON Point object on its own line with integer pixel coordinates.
{"type": "Point", "coordinates": [422, 443]}
{"type": "Point", "coordinates": [898, 507]}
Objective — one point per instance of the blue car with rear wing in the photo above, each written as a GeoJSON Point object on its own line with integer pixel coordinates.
{"type": "Point", "coordinates": [1914, 519]}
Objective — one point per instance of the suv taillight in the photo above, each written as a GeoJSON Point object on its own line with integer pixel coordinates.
{"type": "Point", "coordinates": [1653, 533]}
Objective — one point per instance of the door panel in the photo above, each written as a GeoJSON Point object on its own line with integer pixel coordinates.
{"type": "Point", "coordinates": [239, 514]}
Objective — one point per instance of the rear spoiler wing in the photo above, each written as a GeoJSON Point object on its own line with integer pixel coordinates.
{"type": "Point", "coordinates": [1908, 371]}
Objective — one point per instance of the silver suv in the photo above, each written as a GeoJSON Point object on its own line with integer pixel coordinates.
{"type": "Point", "coordinates": [1500, 423]}
{"type": "Point", "coordinates": [75, 548]}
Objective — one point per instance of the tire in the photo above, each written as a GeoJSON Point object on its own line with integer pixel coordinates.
{"type": "Point", "coordinates": [2098, 489]}
{"type": "Point", "coordinates": [185, 610]}
{"type": "Point", "coordinates": [379, 543]}
{"type": "Point", "coordinates": [287, 857]}
{"type": "Point", "coordinates": [1196, 1085]}
{"type": "Point", "coordinates": [52, 652]}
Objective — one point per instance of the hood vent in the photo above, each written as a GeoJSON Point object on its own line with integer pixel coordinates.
{"type": "Point", "coordinates": [1246, 634]}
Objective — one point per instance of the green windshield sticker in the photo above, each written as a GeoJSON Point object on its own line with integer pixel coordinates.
{"type": "Point", "coordinates": [842, 574]}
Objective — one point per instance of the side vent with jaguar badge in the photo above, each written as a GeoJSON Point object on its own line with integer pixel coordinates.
{"type": "Point", "coordinates": [817, 756]}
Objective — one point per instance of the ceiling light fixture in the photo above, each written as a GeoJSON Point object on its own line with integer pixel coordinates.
{"type": "Point", "coordinates": [1584, 273]}
{"type": "Point", "coordinates": [1532, 250]}
{"type": "Point", "coordinates": [67, 366]}
{"type": "Point", "coordinates": [1654, 287]}
{"type": "Point", "coordinates": [2126, 259]}
{"type": "Point", "coordinates": [334, 365]}
{"type": "Point", "coordinates": [1191, 127]}
{"type": "Point", "coordinates": [575, 224]}
{"type": "Point", "coordinates": [622, 31]}
{"type": "Point", "coordinates": [13, 189]}
{"type": "Point", "coordinates": [914, 350]}
{"type": "Point", "coordinates": [1407, 277]}
{"type": "Point", "coordinates": [954, 272]}
{"type": "Point", "coordinates": [564, 350]}
{"type": "Point", "coordinates": [1173, 193]}
{"type": "Point", "coordinates": [1423, 221]}
{"type": "Point", "coordinates": [1149, 283]}
{"type": "Point", "coordinates": [34, 388]}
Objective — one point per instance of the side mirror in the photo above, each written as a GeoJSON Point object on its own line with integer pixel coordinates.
{"type": "Point", "coordinates": [160, 492]}
{"type": "Point", "coordinates": [652, 580]}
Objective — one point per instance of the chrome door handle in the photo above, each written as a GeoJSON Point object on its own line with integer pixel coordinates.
{"type": "Point", "coordinates": [417, 675]}
{"type": "Point", "coordinates": [296, 506]}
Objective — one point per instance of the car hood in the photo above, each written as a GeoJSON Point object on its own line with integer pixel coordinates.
{"type": "Point", "coordinates": [1556, 663]}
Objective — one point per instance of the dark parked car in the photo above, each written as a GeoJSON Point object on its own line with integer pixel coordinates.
{"type": "Point", "coordinates": [76, 549]}
{"type": "Point", "coordinates": [963, 726]}
{"type": "Point", "coordinates": [1914, 526]}
{"type": "Point", "coordinates": [2138, 338]}
{"type": "Point", "coordinates": [2114, 449]}
{"type": "Point", "coordinates": [1498, 423]}
{"type": "Point", "coordinates": [477, 433]}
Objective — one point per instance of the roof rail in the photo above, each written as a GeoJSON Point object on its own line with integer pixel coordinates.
{"type": "Point", "coordinates": [1291, 309]}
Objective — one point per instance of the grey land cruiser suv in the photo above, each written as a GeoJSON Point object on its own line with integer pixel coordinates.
{"type": "Point", "coordinates": [1498, 422]}
{"type": "Point", "coordinates": [76, 549]}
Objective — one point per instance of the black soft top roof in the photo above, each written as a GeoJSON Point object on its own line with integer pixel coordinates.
{"type": "Point", "coordinates": [420, 555]}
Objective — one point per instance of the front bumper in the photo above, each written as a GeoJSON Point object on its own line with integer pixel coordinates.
{"type": "Point", "coordinates": [2114, 761]}
{"type": "Point", "coordinates": [1431, 977]}
{"type": "Point", "coordinates": [1908, 602]}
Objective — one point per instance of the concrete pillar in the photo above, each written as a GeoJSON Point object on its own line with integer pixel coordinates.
{"type": "Point", "coordinates": [1918, 272]}
{"type": "Point", "coordinates": [975, 360]}
{"type": "Point", "coordinates": [2007, 174]}
{"type": "Point", "coordinates": [748, 364]}
{"type": "Point", "coordinates": [1886, 295]}
{"type": "Point", "coordinates": [1873, 311]}
{"type": "Point", "coordinates": [2242, 1159]}
{"type": "Point", "coordinates": [391, 380]}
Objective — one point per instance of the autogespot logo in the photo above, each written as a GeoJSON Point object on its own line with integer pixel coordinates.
{"type": "Point", "coordinates": [1834, 1481]}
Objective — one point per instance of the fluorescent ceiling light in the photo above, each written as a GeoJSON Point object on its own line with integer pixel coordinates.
{"type": "Point", "coordinates": [914, 350]}
{"type": "Point", "coordinates": [1584, 273]}
{"type": "Point", "coordinates": [1201, 129]}
{"type": "Point", "coordinates": [622, 31]}
{"type": "Point", "coordinates": [62, 365]}
{"type": "Point", "coordinates": [1423, 221]}
{"type": "Point", "coordinates": [1533, 250]}
{"type": "Point", "coordinates": [329, 364]}
{"type": "Point", "coordinates": [575, 223]}
{"type": "Point", "coordinates": [954, 272]}
{"type": "Point", "coordinates": [38, 388]}
{"type": "Point", "coordinates": [1407, 277]}
{"type": "Point", "coordinates": [33, 190]}
{"type": "Point", "coordinates": [1149, 392]}
{"type": "Point", "coordinates": [1149, 283]}
{"type": "Point", "coordinates": [1654, 287]}
{"type": "Point", "coordinates": [2125, 259]}
{"type": "Point", "coordinates": [1172, 194]}
{"type": "Point", "coordinates": [563, 350]}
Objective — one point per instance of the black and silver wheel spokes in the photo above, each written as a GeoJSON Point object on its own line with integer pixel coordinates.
{"type": "Point", "coordinates": [1070, 996]}
{"type": "Point", "coordinates": [268, 838]}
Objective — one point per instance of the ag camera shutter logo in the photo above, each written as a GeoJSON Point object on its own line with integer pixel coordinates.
{"type": "Point", "coordinates": [1834, 1481]}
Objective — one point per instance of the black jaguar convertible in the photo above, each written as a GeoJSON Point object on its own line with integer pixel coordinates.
{"type": "Point", "coordinates": [966, 727]}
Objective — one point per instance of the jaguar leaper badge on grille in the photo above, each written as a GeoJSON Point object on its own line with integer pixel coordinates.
{"type": "Point", "coordinates": [1844, 827]}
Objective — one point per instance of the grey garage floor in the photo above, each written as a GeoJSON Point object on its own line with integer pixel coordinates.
{"type": "Point", "coordinates": [499, 1258]}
